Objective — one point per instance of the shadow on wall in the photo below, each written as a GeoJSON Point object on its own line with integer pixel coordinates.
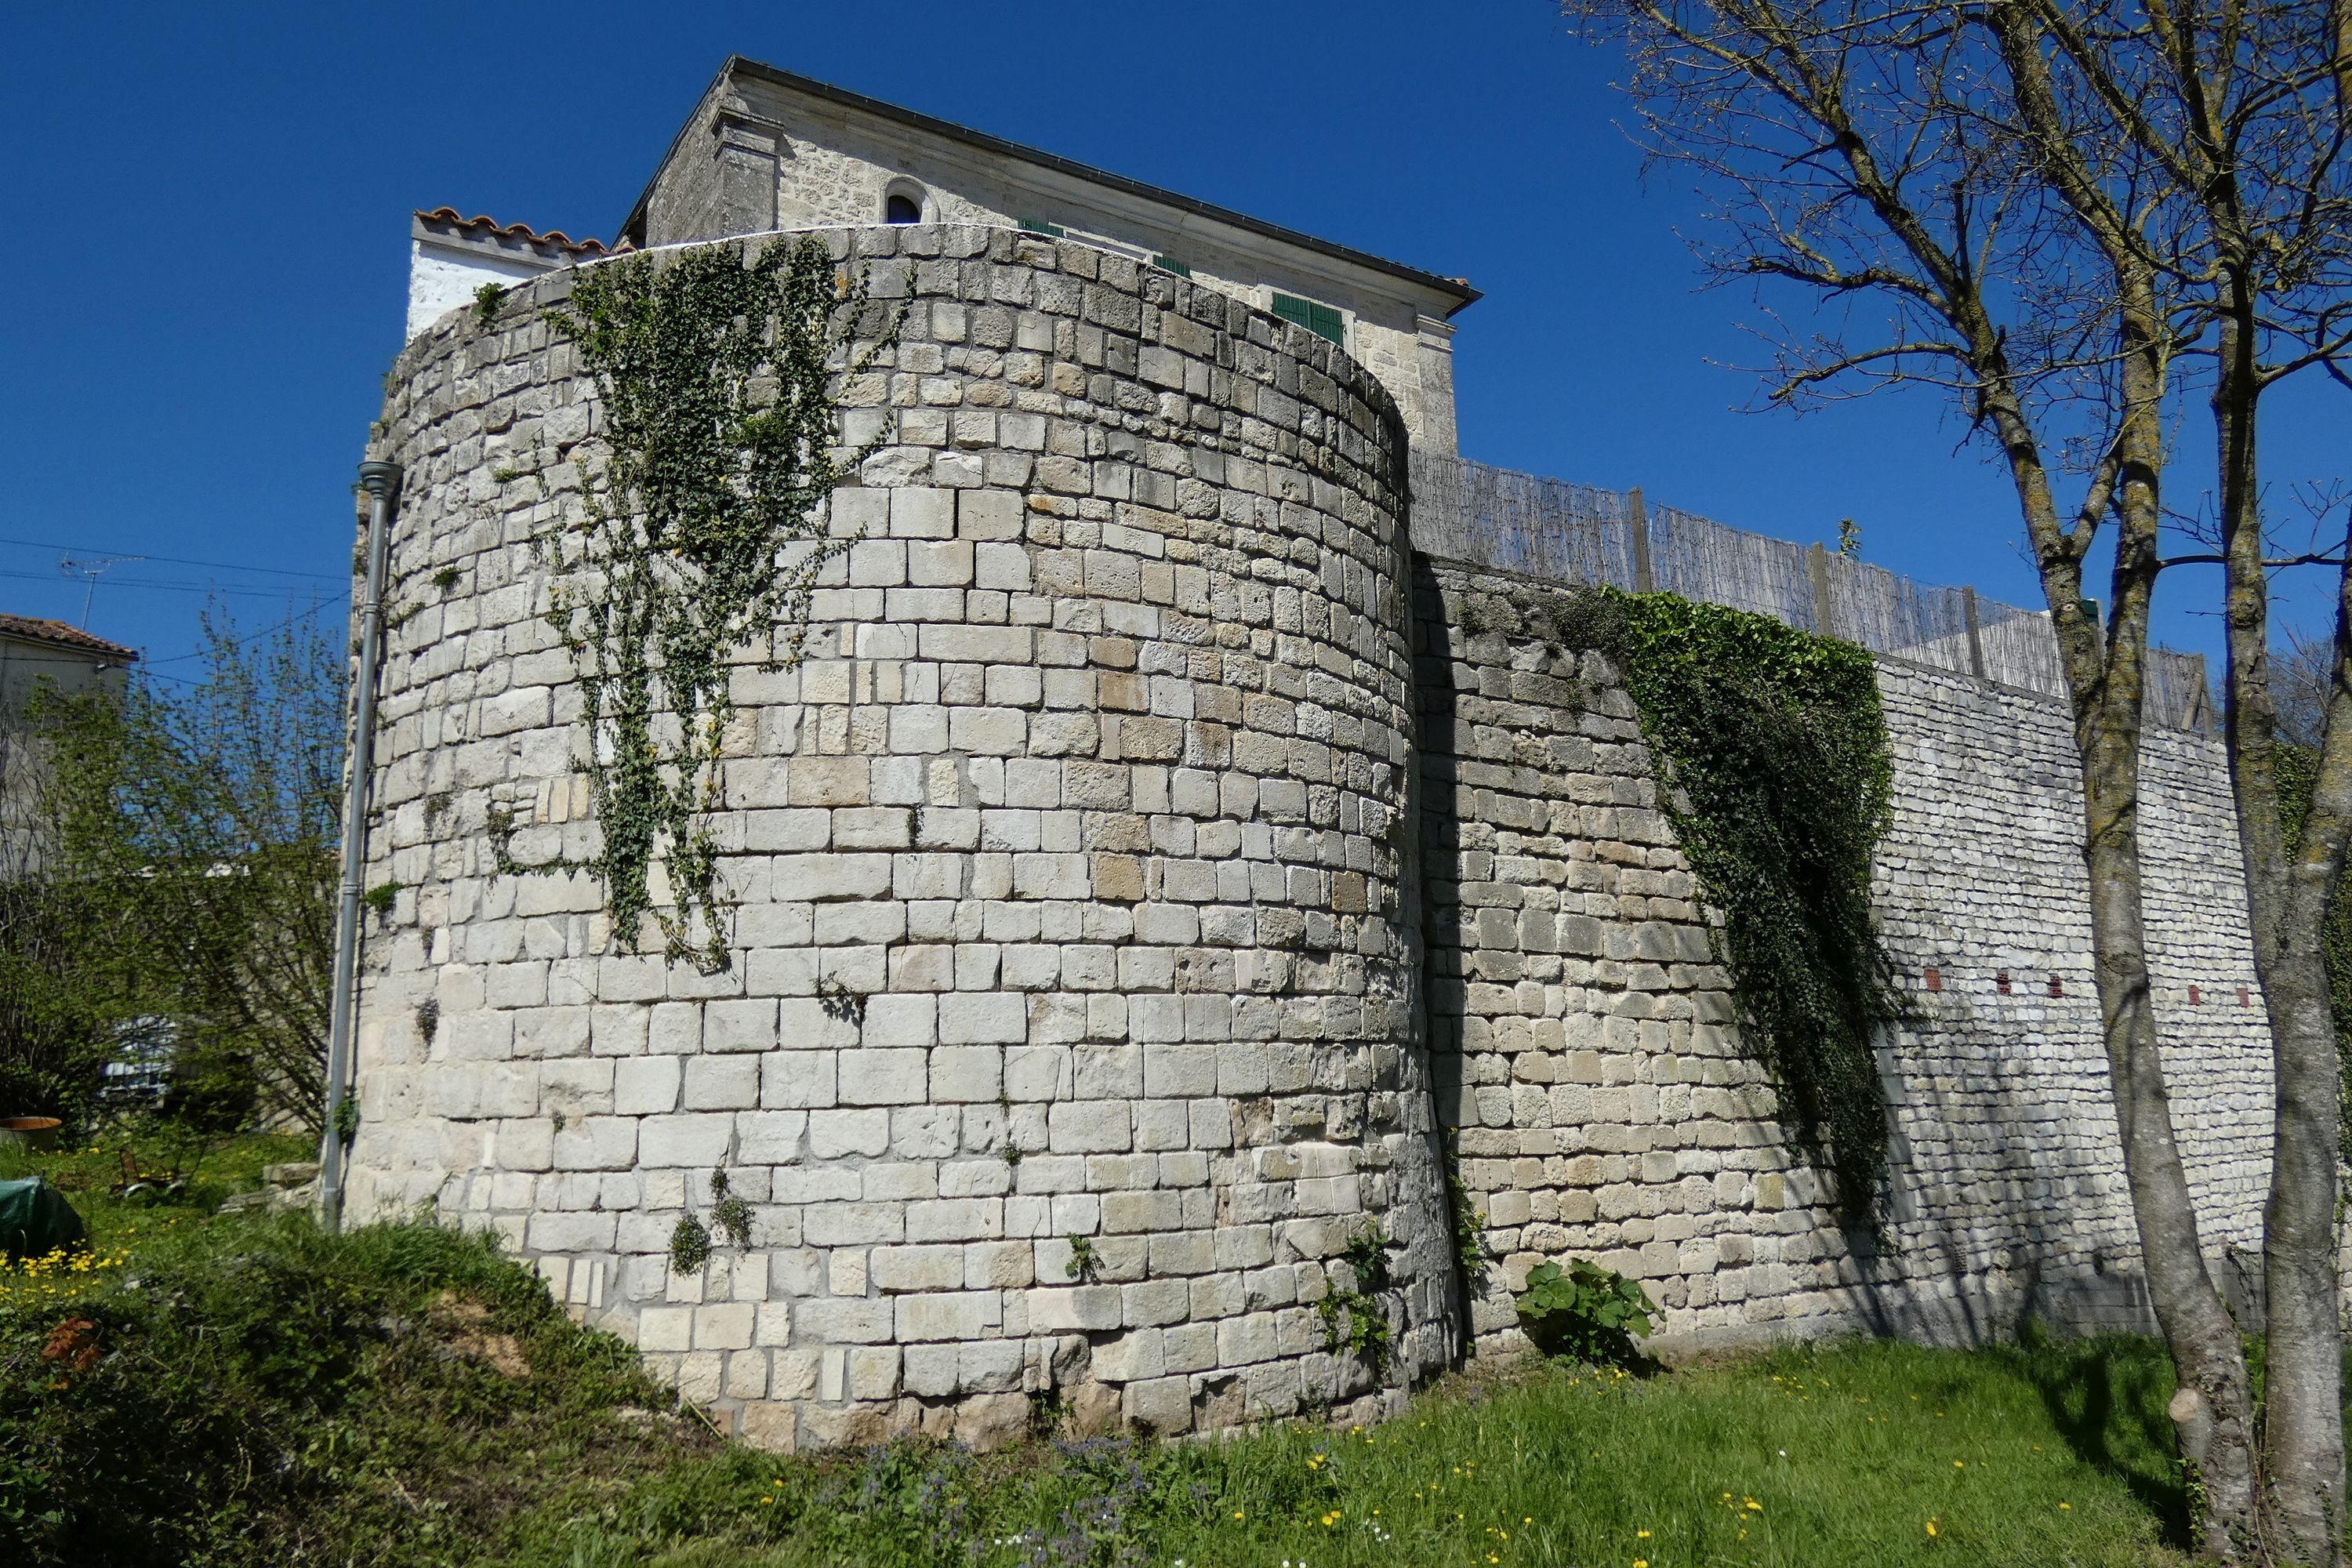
{"type": "Point", "coordinates": [2008, 1205]}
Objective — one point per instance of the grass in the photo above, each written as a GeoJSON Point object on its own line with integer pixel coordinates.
{"type": "Point", "coordinates": [1858, 1453]}
{"type": "Point", "coordinates": [254, 1392]}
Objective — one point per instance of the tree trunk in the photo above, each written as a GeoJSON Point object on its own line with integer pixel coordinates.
{"type": "Point", "coordinates": [2213, 1412]}
{"type": "Point", "coordinates": [2287, 901]}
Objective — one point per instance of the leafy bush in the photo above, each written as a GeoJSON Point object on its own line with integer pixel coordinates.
{"type": "Point", "coordinates": [262, 1393]}
{"type": "Point", "coordinates": [1586, 1313]}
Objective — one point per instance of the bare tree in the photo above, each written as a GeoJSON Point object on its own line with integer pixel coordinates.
{"type": "Point", "coordinates": [2062, 217]}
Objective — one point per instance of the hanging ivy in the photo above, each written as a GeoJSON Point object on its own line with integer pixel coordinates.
{"type": "Point", "coordinates": [1771, 761]}
{"type": "Point", "coordinates": [697, 535]}
{"type": "Point", "coordinates": [1773, 769]}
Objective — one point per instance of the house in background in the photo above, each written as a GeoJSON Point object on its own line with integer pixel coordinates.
{"type": "Point", "coordinates": [767, 150]}
{"type": "Point", "coordinates": [71, 661]}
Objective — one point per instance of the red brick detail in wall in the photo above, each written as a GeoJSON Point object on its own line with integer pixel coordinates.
{"type": "Point", "coordinates": [2000, 983]}
{"type": "Point", "coordinates": [2193, 997]}
{"type": "Point", "coordinates": [1934, 979]}
{"type": "Point", "coordinates": [2057, 987]}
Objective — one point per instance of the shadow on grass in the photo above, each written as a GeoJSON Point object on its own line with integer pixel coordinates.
{"type": "Point", "coordinates": [2107, 1397]}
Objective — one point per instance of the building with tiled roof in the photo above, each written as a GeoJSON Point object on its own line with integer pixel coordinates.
{"type": "Point", "coordinates": [34, 651]}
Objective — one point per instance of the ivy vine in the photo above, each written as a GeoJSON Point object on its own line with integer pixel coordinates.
{"type": "Point", "coordinates": [1770, 755]}
{"type": "Point", "coordinates": [1773, 769]}
{"type": "Point", "coordinates": [696, 535]}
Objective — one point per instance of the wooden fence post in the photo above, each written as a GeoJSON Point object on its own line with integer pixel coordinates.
{"type": "Point", "coordinates": [1976, 638]}
{"type": "Point", "coordinates": [1817, 565]}
{"type": "Point", "coordinates": [1638, 516]}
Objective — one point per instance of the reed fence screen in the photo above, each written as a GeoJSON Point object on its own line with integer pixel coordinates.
{"type": "Point", "coordinates": [1510, 521]}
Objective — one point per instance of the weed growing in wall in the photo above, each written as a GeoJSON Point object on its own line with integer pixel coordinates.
{"type": "Point", "coordinates": [697, 536]}
{"type": "Point", "coordinates": [1586, 1313]}
{"type": "Point", "coordinates": [1353, 1320]}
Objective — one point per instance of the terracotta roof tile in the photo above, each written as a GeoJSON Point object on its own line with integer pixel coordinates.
{"type": "Point", "coordinates": [57, 633]}
{"type": "Point", "coordinates": [523, 231]}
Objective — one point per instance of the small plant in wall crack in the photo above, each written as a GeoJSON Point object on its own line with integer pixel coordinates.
{"type": "Point", "coordinates": [840, 1003]}
{"type": "Point", "coordinates": [487, 300]}
{"type": "Point", "coordinates": [697, 536]}
{"type": "Point", "coordinates": [1084, 1260]}
{"type": "Point", "coordinates": [1352, 1319]}
{"type": "Point", "coordinates": [1469, 1224]}
{"type": "Point", "coordinates": [690, 1244]}
{"type": "Point", "coordinates": [729, 1212]}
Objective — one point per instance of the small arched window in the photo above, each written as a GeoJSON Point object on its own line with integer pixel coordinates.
{"type": "Point", "coordinates": [902, 206]}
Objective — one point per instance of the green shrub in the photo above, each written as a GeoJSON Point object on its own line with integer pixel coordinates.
{"type": "Point", "coordinates": [1586, 1313]}
{"type": "Point", "coordinates": [263, 1392]}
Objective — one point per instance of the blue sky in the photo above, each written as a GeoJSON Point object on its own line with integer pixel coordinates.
{"type": "Point", "coordinates": [207, 275]}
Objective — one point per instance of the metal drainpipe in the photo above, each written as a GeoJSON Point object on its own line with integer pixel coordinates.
{"type": "Point", "coordinates": [382, 482]}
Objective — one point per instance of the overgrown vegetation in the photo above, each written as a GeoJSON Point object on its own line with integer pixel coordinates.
{"type": "Point", "coordinates": [233, 1390]}
{"type": "Point", "coordinates": [697, 535]}
{"type": "Point", "coordinates": [229, 1390]}
{"type": "Point", "coordinates": [1772, 768]}
{"type": "Point", "coordinates": [1774, 772]}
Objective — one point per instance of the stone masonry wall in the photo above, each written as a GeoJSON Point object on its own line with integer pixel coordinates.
{"type": "Point", "coordinates": [1091, 796]}
{"type": "Point", "coordinates": [1585, 1039]}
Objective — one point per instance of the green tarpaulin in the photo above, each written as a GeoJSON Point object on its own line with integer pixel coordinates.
{"type": "Point", "coordinates": [35, 1218]}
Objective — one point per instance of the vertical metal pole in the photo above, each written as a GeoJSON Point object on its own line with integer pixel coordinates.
{"type": "Point", "coordinates": [1638, 515]}
{"type": "Point", "coordinates": [382, 482]}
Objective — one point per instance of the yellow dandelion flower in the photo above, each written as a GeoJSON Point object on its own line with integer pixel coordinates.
{"type": "Point", "coordinates": [1931, 1527]}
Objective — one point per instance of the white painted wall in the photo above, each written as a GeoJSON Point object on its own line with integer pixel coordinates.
{"type": "Point", "coordinates": [442, 275]}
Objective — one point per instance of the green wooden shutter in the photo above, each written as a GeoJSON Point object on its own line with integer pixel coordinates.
{"type": "Point", "coordinates": [1321, 319]}
{"type": "Point", "coordinates": [1039, 225]}
{"type": "Point", "coordinates": [1170, 264]}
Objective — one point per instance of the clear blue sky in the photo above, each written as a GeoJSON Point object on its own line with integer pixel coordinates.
{"type": "Point", "coordinates": [206, 273]}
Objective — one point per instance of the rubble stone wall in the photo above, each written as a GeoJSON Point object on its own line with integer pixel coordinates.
{"type": "Point", "coordinates": [1075, 873]}
{"type": "Point", "coordinates": [1584, 1040]}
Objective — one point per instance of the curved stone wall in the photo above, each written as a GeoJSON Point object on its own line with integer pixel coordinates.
{"type": "Point", "coordinates": [1075, 869]}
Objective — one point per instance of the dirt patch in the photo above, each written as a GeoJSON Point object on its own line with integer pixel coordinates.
{"type": "Point", "coordinates": [464, 1327]}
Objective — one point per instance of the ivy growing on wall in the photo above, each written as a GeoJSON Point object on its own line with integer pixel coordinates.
{"type": "Point", "coordinates": [1772, 767]}
{"type": "Point", "coordinates": [697, 536]}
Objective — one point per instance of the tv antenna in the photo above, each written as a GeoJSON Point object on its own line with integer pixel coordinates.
{"type": "Point", "coordinates": [89, 567]}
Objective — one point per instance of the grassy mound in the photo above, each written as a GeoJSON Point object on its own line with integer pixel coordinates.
{"type": "Point", "coordinates": [239, 1390]}
{"type": "Point", "coordinates": [263, 1392]}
